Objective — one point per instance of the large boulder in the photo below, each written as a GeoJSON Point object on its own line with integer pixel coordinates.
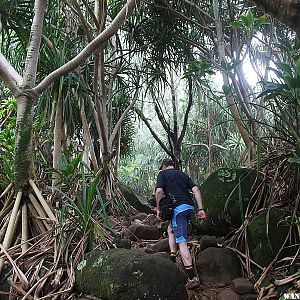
{"type": "Point", "coordinates": [128, 275]}
{"type": "Point", "coordinates": [266, 234]}
{"type": "Point", "coordinates": [218, 266]}
{"type": "Point", "coordinates": [226, 194]}
{"type": "Point", "coordinates": [132, 198]}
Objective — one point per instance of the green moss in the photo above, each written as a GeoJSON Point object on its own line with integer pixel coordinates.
{"type": "Point", "coordinates": [23, 156]}
{"type": "Point", "coordinates": [128, 274]}
{"type": "Point", "coordinates": [266, 235]}
{"type": "Point", "coordinates": [226, 194]}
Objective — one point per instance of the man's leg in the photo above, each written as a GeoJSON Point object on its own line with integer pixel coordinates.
{"type": "Point", "coordinates": [172, 244]}
{"type": "Point", "coordinates": [187, 260]}
{"type": "Point", "coordinates": [180, 228]}
{"type": "Point", "coordinates": [185, 254]}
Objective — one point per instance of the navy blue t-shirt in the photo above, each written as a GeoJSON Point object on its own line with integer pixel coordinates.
{"type": "Point", "coordinates": [176, 184]}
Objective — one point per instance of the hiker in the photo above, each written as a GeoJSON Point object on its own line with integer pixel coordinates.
{"type": "Point", "coordinates": [177, 185]}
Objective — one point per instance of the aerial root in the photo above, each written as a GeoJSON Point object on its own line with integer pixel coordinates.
{"type": "Point", "coordinates": [24, 229]}
{"type": "Point", "coordinates": [37, 210]}
{"type": "Point", "coordinates": [43, 201]}
{"type": "Point", "coordinates": [9, 187]}
{"type": "Point", "coordinates": [10, 228]}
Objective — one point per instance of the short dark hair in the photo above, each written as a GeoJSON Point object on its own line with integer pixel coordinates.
{"type": "Point", "coordinates": [166, 162]}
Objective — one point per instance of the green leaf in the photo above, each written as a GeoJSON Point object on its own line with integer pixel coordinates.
{"type": "Point", "coordinates": [99, 231]}
{"type": "Point", "coordinates": [237, 25]}
{"type": "Point", "coordinates": [261, 20]}
{"type": "Point", "coordinates": [285, 68]}
{"type": "Point", "coordinates": [294, 160]}
{"type": "Point", "coordinates": [250, 18]}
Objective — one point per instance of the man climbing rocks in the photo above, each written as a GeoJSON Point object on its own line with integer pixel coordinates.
{"type": "Point", "coordinates": [177, 185]}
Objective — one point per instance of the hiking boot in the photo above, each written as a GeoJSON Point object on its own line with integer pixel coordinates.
{"type": "Point", "coordinates": [192, 283]}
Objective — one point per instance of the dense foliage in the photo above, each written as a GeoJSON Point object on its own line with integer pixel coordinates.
{"type": "Point", "coordinates": [98, 93]}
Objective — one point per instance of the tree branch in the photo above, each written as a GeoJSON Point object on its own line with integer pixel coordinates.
{"type": "Point", "coordinates": [89, 49]}
{"type": "Point", "coordinates": [186, 115]}
{"type": "Point", "coordinates": [174, 107]}
{"type": "Point", "coordinates": [160, 142]}
{"type": "Point", "coordinates": [34, 43]}
{"type": "Point", "coordinates": [88, 8]}
{"type": "Point", "coordinates": [86, 26]}
{"type": "Point", "coordinates": [9, 75]}
{"type": "Point", "coordinates": [120, 121]}
{"type": "Point", "coordinates": [162, 118]}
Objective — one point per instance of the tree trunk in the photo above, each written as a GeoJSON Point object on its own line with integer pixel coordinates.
{"type": "Point", "coordinates": [87, 136]}
{"type": "Point", "coordinates": [57, 140]}
{"type": "Point", "coordinates": [232, 105]}
{"type": "Point", "coordinates": [23, 144]}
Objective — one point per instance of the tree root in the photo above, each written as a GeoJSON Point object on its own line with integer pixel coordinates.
{"type": "Point", "coordinates": [32, 210]}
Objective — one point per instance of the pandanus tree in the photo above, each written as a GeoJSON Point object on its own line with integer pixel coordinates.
{"type": "Point", "coordinates": [172, 125]}
{"type": "Point", "coordinates": [182, 33]}
{"type": "Point", "coordinates": [27, 91]}
{"type": "Point", "coordinates": [224, 35]}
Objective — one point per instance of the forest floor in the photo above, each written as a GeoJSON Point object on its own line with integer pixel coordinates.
{"type": "Point", "coordinates": [206, 292]}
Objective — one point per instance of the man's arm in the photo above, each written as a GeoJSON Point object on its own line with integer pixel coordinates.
{"type": "Point", "coordinates": [159, 193]}
{"type": "Point", "coordinates": [201, 213]}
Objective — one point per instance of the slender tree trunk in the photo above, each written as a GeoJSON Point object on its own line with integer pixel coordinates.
{"type": "Point", "coordinates": [210, 143]}
{"type": "Point", "coordinates": [99, 83]}
{"type": "Point", "coordinates": [232, 105]}
{"type": "Point", "coordinates": [26, 100]}
{"type": "Point", "coordinates": [87, 137]}
{"type": "Point", "coordinates": [58, 125]}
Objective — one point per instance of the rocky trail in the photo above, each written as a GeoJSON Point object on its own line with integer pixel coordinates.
{"type": "Point", "coordinates": [218, 268]}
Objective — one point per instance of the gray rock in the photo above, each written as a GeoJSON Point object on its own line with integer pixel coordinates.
{"type": "Point", "coordinates": [242, 285]}
{"type": "Point", "coordinates": [151, 220]}
{"type": "Point", "coordinates": [218, 266]}
{"type": "Point", "coordinates": [249, 297]}
{"type": "Point", "coordinates": [139, 216]}
{"type": "Point", "coordinates": [132, 198]}
{"type": "Point", "coordinates": [143, 232]}
{"type": "Point", "coordinates": [162, 254]}
{"type": "Point", "coordinates": [228, 295]}
{"type": "Point", "coordinates": [128, 274]}
{"type": "Point", "coordinates": [124, 243]}
{"type": "Point", "coordinates": [161, 246]}
{"type": "Point", "coordinates": [207, 241]}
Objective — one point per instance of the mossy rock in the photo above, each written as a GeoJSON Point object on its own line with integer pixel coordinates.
{"type": "Point", "coordinates": [226, 194]}
{"type": "Point", "coordinates": [266, 234]}
{"type": "Point", "coordinates": [218, 266]}
{"type": "Point", "coordinates": [132, 198]}
{"type": "Point", "coordinates": [128, 275]}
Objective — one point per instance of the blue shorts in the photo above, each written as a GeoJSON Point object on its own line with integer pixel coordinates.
{"type": "Point", "coordinates": [179, 222]}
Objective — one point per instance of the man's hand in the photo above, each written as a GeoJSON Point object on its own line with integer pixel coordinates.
{"type": "Point", "coordinates": [201, 214]}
